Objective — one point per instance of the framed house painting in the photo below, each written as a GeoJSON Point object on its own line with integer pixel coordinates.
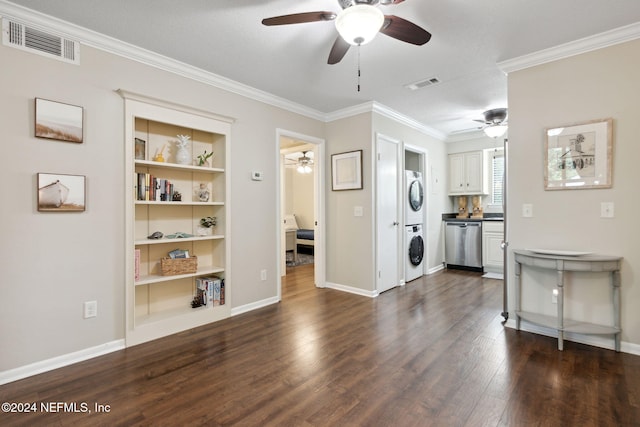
{"type": "Point", "coordinates": [579, 156]}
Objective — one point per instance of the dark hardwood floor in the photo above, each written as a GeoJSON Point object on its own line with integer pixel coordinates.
{"type": "Point", "coordinates": [432, 353]}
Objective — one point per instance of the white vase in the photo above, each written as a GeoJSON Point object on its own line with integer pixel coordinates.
{"type": "Point", "coordinates": [182, 156]}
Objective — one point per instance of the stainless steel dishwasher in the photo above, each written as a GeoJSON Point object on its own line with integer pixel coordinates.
{"type": "Point", "coordinates": [463, 245]}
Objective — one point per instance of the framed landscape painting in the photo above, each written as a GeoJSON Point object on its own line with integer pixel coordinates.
{"type": "Point", "coordinates": [55, 120]}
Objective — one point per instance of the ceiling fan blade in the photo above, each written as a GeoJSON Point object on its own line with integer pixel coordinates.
{"type": "Point", "coordinates": [404, 30]}
{"type": "Point", "coordinates": [338, 51]}
{"type": "Point", "coordinates": [385, 2]}
{"type": "Point", "coordinates": [299, 18]}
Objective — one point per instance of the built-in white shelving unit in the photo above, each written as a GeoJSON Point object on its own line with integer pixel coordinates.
{"type": "Point", "coordinates": [159, 304]}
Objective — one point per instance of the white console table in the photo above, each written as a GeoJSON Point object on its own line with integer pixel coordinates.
{"type": "Point", "coordinates": [561, 264]}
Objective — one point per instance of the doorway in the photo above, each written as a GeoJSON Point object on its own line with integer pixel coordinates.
{"type": "Point", "coordinates": [300, 204]}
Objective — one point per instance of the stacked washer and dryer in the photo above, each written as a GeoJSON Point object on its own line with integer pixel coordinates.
{"type": "Point", "coordinates": [414, 217]}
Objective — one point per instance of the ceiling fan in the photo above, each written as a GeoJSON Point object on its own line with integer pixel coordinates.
{"type": "Point", "coordinates": [357, 23]}
{"type": "Point", "coordinates": [302, 160]}
{"type": "Point", "coordinates": [495, 122]}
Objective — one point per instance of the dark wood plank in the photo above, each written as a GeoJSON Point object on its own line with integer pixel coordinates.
{"type": "Point", "coordinates": [433, 352]}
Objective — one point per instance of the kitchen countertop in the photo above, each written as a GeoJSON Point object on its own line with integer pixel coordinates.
{"type": "Point", "coordinates": [487, 217]}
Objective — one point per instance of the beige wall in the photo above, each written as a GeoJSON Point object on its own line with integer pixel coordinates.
{"type": "Point", "coordinates": [299, 197]}
{"type": "Point", "coordinates": [595, 85]}
{"type": "Point", "coordinates": [350, 239]}
{"type": "Point", "coordinates": [53, 262]}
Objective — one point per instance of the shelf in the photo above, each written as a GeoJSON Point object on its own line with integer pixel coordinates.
{"type": "Point", "coordinates": [165, 165]}
{"type": "Point", "coordinates": [182, 239]}
{"type": "Point", "coordinates": [183, 203]}
{"type": "Point", "coordinates": [147, 319]}
{"type": "Point", "coordinates": [157, 278]}
{"type": "Point", "coordinates": [569, 324]}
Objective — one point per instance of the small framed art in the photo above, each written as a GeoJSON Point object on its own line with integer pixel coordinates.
{"type": "Point", "coordinates": [346, 171]}
{"type": "Point", "coordinates": [579, 156]}
{"type": "Point", "coordinates": [55, 120]}
{"type": "Point", "coordinates": [61, 192]}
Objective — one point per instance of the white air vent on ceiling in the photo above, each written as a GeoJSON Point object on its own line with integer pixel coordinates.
{"type": "Point", "coordinates": [38, 41]}
{"type": "Point", "coordinates": [422, 83]}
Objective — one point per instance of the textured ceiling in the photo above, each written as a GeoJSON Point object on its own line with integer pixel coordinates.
{"type": "Point", "coordinates": [226, 37]}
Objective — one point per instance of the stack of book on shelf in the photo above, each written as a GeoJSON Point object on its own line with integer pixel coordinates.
{"type": "Point", "coordinates": [210, 290]}
{"type": "Point", "coordinates": [149, 187]}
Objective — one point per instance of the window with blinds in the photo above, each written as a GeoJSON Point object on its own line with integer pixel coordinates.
{"type": "Point", "coordinates": [497, 177]}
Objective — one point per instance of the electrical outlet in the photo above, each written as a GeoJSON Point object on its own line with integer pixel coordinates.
{"type": "Point", "coordinates": [263, 274]}
{"type": "Point", "coordinates": [90, 309]}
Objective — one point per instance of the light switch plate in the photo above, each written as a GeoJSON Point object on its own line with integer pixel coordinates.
{"type": "Point", "coordinates": [527, 210]}
{"type": "Point", "coordinates": [358, 211]}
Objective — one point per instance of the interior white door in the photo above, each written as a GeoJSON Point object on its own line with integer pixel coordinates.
{"type": "Point", "coordinates": [388, 213]}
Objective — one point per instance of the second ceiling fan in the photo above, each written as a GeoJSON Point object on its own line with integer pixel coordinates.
{"type": "Point", "coordinates": [357, 23]}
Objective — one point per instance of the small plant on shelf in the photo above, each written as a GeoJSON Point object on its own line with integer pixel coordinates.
{"type": "Point", "coordinates": [203, 158]}
{"type": "Point", "coordinates": [208, 221]}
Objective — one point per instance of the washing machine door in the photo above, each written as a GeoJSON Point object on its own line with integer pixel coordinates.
{"type": "Point", "coordinates": [416, 250]}
{"type": "Point", "coordinates": [416, 195]}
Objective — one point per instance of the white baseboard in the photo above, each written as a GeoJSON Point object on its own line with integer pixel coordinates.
{"type": "Point", "coordinates": [352, 290]}
{"type": "Point", "coordinates": [254, 306]}
{"type": "Point", "coordinates": [435, 269]}
{"type": "Point", "coordinates": [594, 340]}
{"type": "Point", "coordinates": [59, 362]}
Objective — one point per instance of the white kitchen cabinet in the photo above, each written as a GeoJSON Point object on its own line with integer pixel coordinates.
{"type": "Point", "coordinates": [492, 237]}
{"type": "Point", "coordinates": [467, 173]}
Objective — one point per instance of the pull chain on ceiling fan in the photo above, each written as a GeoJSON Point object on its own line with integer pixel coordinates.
{"type": "Point", "coordinates": [358, 23]}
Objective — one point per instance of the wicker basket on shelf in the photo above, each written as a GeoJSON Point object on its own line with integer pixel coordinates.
{"type": "Point", "coordinates": [174, 266]}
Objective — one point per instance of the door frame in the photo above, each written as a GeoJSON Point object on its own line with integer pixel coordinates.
{"type": "Point", "coordinates": [399, 213]}
{"type": "Point", "coordinates": [319, 206]}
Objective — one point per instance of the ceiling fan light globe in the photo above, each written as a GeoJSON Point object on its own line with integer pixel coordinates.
{"type": "Point", "coordinates": [495, 131]}
{"type": "Point", "coordinates": [359, 24]}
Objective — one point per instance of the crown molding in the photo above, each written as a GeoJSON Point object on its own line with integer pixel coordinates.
{"type": "Point", "coordinates": [117, 47]}
{"type": "Point", "coordinates": [587, 44]}
{"type": "Point", "coordinates": [375, 107]}
{"type": "Point", "coordinates": [126, 50]}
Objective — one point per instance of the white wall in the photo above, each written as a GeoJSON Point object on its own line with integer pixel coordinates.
{"type": "Point", "coordinates": [53, 262]}
{"type": "Point", "coordinates": [594, 85]}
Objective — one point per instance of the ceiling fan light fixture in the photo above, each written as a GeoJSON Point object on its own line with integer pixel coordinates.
{"type": "Point", "coordinates": [359, 24]}
{"type": "Point", "coordinates": [495, 131]}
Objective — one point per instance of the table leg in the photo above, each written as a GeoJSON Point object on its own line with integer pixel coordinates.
{"type": "Point", "coordinates": [560, 286]}
{"type": "Point", "coordinates": [615, 283]}
{"type": "Point", "coordinates": [518, 285]}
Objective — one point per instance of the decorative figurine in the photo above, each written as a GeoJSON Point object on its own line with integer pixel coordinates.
{"type": "Point", "coordinates": [182, 155]}
{"type": "Point", "coordinates": [177, 197]}
{"type": "Point", "coordinates": [155, 235]}
{"type": "Point", "coordinates": [203, 192]}
{"type": "Point", "coordinates": [159, 156]}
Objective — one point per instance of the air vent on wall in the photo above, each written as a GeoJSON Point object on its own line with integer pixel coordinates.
{"type": "Point", "coordinates": [422, 83]}
{"type": "Point", "coordinates": [38, 41]}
